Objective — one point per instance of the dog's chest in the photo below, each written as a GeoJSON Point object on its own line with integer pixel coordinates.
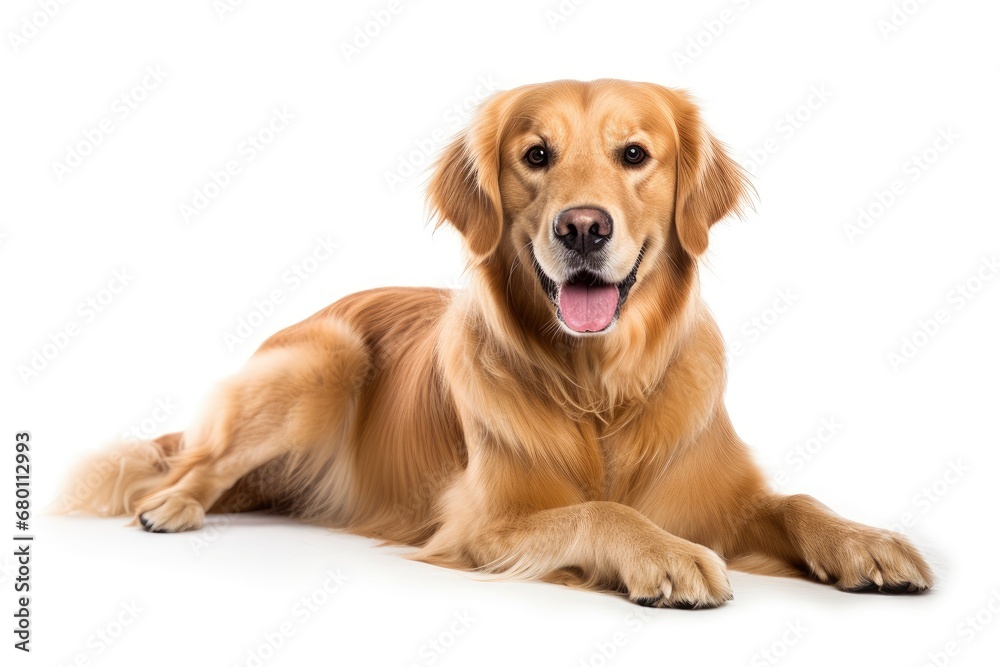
{"type": "Point", "coordinates": [630, 454]}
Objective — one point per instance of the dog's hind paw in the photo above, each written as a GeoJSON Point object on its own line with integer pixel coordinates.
{"type": "Point", "coordinates": [172, 514]}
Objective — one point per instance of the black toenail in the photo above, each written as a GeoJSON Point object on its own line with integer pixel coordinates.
{"type": "Point", "coordinates": [148, 525]}
{"type": "Point", "coordinates": [649, 602]}
{"type": "Point", "coordinates": [897, 589]}
{"type": "Point", "coordinates": [682, 604]}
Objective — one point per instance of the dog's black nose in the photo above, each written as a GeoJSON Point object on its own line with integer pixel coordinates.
{"type": "Point", "coordinates": [583, 230]}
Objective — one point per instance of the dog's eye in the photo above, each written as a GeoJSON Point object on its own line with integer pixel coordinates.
{"type": "Point", "coordinates": [537, 156]}
{"type": "Point", "coordinates": [633, 155]}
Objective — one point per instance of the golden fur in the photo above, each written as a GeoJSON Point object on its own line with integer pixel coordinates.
{"type": "Point", "coordinates": [475, 427]}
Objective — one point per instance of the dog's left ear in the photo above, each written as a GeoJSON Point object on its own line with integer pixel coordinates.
{"type": "Point", "coordinates": [710, 184]}
{"type": "Point", "coordinates": [464, 189]}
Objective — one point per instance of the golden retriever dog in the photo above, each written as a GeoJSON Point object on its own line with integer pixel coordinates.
{"type": "Point", "coordinates": [561, 419]}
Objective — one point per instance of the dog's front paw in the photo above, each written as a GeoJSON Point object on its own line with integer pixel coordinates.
{"type": "Point", "coordinates": [171, 514]}
{"type": "Point", "coordinates": [861, 558]}
{"type": "Point", "coordinates": [679, 574]}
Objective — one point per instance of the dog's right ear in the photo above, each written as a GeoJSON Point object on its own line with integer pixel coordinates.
{"type": "Point", "coordinates": [464, 189]}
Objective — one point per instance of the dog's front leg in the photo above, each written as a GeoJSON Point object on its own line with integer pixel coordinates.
{"type": "Point", "coordinates": [804, 533]}
{"type": "Point", "coordinates": [612, 545]}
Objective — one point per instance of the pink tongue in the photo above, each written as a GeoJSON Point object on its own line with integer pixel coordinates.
{"type": "Point", "coordinates": [588, 308]}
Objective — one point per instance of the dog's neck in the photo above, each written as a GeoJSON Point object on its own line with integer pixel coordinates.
{"type": "Point", "coordinates": [596, 373]}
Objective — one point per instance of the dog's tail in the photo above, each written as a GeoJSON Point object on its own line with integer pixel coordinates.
{"type": "Point", "coordinates": [110, 482]}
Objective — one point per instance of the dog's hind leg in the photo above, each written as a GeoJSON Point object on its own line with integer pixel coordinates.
{"type": "Point", "coordinates": [292, 402]}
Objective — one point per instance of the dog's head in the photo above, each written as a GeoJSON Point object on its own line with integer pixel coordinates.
{"type": "Point", "coordinates": [585, 190]}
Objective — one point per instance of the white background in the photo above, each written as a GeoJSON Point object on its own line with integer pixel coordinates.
{"type": "Point", "coordinates": [209, 598]}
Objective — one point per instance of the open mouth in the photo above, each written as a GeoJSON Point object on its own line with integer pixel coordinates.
{"type": "Point", "coordinates": [585, 303]}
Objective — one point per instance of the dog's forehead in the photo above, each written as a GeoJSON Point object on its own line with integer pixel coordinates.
{"type": "Point", "coordinates": [613, 111]}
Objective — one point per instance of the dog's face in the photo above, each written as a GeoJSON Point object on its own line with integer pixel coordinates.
{"type": "Point", "coordinates": [589, 187]}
